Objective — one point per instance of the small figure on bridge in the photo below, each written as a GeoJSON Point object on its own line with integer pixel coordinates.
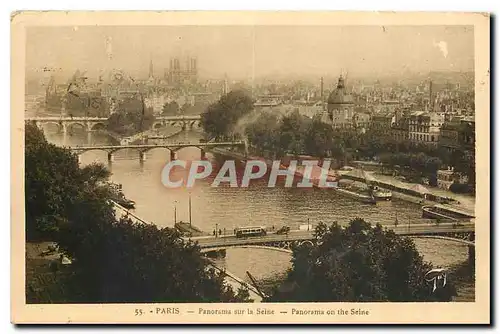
{"type": "Point", "coordinates": [214, 233]}
{"type": "Point", "coordinates": [220, 232]}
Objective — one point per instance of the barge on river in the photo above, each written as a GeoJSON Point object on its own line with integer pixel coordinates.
{"type": "Point", "coordinates": [444, 212]}
{"type": "Point", "coordinates": [357, 195]}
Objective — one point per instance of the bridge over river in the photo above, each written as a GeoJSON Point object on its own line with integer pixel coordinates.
{"type": "Point", "coordinates": [462, 233]}
{"type": "Point", "coordinates": [97, 123]}
{"type": "Point", "coordinates": [172, 147]}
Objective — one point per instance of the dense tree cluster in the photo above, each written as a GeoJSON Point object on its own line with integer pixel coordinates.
{"type": "Point", "coordinates": [54, 184]}
{"type": "Point", "coordinates": [221, 117]}
{"type": "Point", "coordinates": [359, 263]}
{"type": "Point", "coordinates": [132, 117]}
{"type": "Point", "coordinates": [114, 260]}
{"type": "Point", "coordinates": [170, 108]}
{"type": "Point", "coordinates": [297, 134]}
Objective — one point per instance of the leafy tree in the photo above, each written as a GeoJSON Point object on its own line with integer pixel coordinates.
{"type": "Point", "coordinates": [220, 117]}
{"type": "Point", "coordinates": [134, 262]}
{"type": "Point", "coordinates": [263, 134]}
{"type": "Point", "coordinates": [185, 108]}
{"type": "Point", "coordinates": [170, 108]}
{"type": "Point", "coordinates": [318, 139]}
{"type": "Point", "coordinates": [114, 260]}
{"type": "Point", "coordinates": [53, 183]}
{"type": "Point", "coordinates": [359, 263]}
{"type": "Point", "coordinates": [292, 132]}
{"type": "Point", "coordinates": [131, 118]}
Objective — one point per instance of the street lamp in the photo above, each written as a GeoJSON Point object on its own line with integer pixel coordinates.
{"type": "Point", "coordinates": [189, 210]}
{"type": "Point", "coordinates": [175, 212]}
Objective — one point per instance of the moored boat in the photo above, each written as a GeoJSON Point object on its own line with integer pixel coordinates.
{"type": "Point", "coordinates": [381, 194]}
{"type": "Point", "coordinates": [365, 198]}
{"type": "Point", "coordinates": [118, 196]}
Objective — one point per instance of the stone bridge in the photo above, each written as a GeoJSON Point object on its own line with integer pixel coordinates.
{"type": "Point", "coordinates": [100, 123]}
{"type": "Point", "coordinates": [144, 148]}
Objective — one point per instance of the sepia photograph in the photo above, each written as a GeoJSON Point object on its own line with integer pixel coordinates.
{"type": "Point", "coordinates": [250, 170]}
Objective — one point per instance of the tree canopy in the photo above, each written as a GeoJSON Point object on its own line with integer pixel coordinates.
{"type": "Point", "coordinates": [114, 260]}
{"type": "Point", "coordinates": [54, 183]}
{"type": "Point", "coordinates": [132, 117]}
{"type": "Point", "coordinates": [170, 108]}
{"type": "Point", "coordinates": [359, 263]}
{"type": "Point", "coordinates": [295, 134]}
{"type": "Point", "coordinates": [219, 119]}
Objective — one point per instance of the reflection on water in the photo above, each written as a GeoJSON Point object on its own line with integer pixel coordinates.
{"type": "Point", "coordinates": [227, 207]}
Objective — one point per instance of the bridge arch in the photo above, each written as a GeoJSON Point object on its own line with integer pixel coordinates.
{"type": "Point", "coordinates": [82, 151]}
{"type": "Point", "coordinates": [98, 126]}
{"type": "Point", "coordinates": [306, 242]}
{"type": "Point", "coordinates": [157, 125]}
{"type": "Point", "coordinates": [177, 149]}
{"type": "Point", "coordinates": [71, 125]}
{"type": "Point", "coordinates": [156, 148]}
{"type": "Point", "coordinates": [43, 125]}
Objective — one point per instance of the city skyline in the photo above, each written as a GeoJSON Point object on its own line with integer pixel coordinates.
{"type": "Point", "coordinates": [247, 52]}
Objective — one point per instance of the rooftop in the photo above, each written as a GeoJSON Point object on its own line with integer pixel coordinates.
{"type": "Point", "coordinates": [340, 95]}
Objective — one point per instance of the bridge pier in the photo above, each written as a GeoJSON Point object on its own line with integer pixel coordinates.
{"type": "Point", "coordinates": [79, 157]}
{"type": "Point", "coordinates": [142, 156]}
{"type": "Point", "coordinates": [63, 128]}
{"type": "Point", "coordinates": [111, 157]}
{"type": "Point", "coordinates": [89, 138]}
{"type": "Point", "coordinates": [173, 155]}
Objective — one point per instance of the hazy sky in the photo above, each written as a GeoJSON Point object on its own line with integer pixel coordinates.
{"type": "Point", "coordinates": [244, 51]}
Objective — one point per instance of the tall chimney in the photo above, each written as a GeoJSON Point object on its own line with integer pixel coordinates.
{"type": "Point", "coordinates": [431, 102]}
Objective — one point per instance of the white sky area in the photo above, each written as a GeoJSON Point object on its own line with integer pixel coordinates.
{"type": "Point", "coordinates": [242, 52]}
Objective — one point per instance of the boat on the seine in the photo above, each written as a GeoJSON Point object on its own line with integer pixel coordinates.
{"type": "Point", "coordinates": [118, 196]}
{"type": "Point", "coordinates": [364, 198]}
{"type": "Point", "coordinates": [360, 184]}
{"type": "Point", "coordinates": [444, 212]}
{"type": "Point", "coordinates": [381, 194]}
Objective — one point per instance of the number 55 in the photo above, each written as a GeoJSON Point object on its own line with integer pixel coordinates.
{"type": "Point", "coordinates": [138, 311]}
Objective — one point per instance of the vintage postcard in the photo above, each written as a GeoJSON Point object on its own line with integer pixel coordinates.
{"type": "Point", "coordinates": [250, 168]}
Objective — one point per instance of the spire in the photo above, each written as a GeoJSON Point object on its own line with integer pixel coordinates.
{"type": "Point", "coordinates": [150, 67]}
{"type": "Point", "coordinates": [225, 88]}
{"type": "Point", "coordinates": [340, 85]}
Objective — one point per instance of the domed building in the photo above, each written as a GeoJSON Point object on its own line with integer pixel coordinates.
{"type": "Point", "coordinates": [340, 106]}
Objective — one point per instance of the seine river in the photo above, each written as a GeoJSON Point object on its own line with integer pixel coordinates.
{"type": "Point", "coordinates": [228, 208]}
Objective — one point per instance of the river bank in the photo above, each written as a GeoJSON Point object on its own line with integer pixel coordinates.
{"type": "Point", "coordinates": [408, 192]}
